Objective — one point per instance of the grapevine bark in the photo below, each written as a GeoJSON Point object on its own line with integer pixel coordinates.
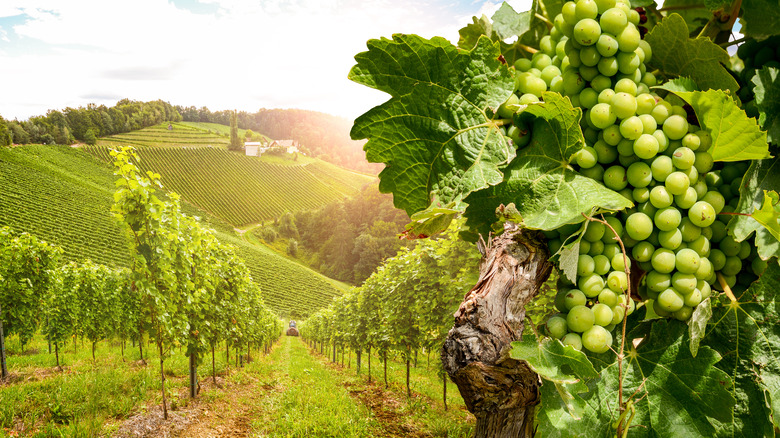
{"type": "Point", "coordinates": [501, 392]}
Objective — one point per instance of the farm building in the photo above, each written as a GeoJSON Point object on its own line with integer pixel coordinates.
{"type": "Point", "coordinates": [252, 148]}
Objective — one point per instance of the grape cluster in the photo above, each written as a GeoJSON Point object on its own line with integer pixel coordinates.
{"type": "Point", "coordinates": [644, 148]}
{"type": "Point", "coordinates": [756, 55]}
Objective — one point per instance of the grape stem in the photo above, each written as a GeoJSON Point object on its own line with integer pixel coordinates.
{"type": "Point", "coordinates": [528, 49]}
{"type": "Point", "coordinates": [731, 43]}
{"type": "Point", "coordinates": [544, 19]}
{"type": "Point", "coordinates": [627, 267]}
{"type": "Point", "coordinates": [726, 289]}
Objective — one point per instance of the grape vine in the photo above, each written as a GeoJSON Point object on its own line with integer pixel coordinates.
{"type": "Point", "coordinates": [647, 164]}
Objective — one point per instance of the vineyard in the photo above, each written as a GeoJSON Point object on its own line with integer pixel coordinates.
{"type": "Point", "coordinates": [182, 134]}
{"type": "Point", "coordinates": [40, 184]}
{"type": "Point", "coordinates": [244, 190]}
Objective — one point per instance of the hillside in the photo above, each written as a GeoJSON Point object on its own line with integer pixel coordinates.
{"type": "Point", "coordinates": [63, 195]}
{"type": "Point", "coordinates": [180, 135]}
{"type": "Point", "coordinates": [244, 190]}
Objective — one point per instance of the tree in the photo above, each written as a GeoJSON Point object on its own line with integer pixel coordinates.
{"type": "Point", "coordinates": [89, 137]}
{"type": "Point", "coordinates": [235, 142]}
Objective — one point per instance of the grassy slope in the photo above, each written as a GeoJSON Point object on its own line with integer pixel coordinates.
{"type": "Point", "coordinates": [244, 190]}
{"type": "Point", "coordinates": [64, 196]}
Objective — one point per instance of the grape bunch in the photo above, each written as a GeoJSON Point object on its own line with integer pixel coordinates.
{"type": "Point", "coordinates": [644, 148]}
{"type": "Point", "coordinates": [756, 55]}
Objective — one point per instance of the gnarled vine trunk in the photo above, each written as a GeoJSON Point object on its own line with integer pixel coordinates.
{"type": "Point", "coordinates": [501, 392]}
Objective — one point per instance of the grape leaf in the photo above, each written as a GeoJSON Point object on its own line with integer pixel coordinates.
{"type": "Point", "coordinates": [769, 215]}
{"type": "Point", "coordinates": [714, 5]}
{"type": "Point", "coordinates": [762, 175]}
{"type": "Point", "coordinates": [641, 3]}
{"type": "Point", "coordinates": [735, 136]}
{"type": "Point", "coordinates": [697, 58]}
{"type": "Point", "coordinates": [676, 394]}
{"type": "Point", "coordinates": [542, 184]}
{"type": "Point", "coordinates": [759, 18]}
{"type": "Point", "coordinates": [561, 365]}
{"type": "Point", "coordinates": [766, 87]}
{"type": "Point", "coordinates": [436, 135]}
{"type": "Point", "coordinates": [697, 325]}
{"type": "Point", "coordinates": [747, 335]}
{"type": "Point", "coordinates": [693, 12]}
{"type": "Point", "coordinates": [679, 84]}
{"type": "Point", "coordinates": [508, 23]}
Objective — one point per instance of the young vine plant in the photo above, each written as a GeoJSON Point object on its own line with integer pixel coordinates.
{"type": "Point", "coordinates": [647, 155]}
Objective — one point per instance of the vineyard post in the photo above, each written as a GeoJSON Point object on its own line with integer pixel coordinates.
{"type": "Point", "coordinates": [3, 365]}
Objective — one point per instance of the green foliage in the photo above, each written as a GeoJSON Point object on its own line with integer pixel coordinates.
{"type": "Point", "coordinates": [461, 149]}
{"type": "Point", "coordinates": [699, 59]}
{"type": "Point", "coordinates": [767, 90]}
{"type": "Point", "coordinates": [761, 176]}
{"type": "Point", "coordinates": [251, 191]}
{"type": "Point", "coordinates": [26, 264]}
{"type": "Point", "coordinates": [235, 141]}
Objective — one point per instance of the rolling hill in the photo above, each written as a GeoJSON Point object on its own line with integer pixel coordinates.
{"type": "Point", "coordinates": [244, 190]}
{"type": "Point", "coordinates": [63, 195]}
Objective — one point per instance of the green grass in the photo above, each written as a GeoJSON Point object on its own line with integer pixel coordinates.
{"type": "Point", "coordinates": [244, 190]}
{"type": "Point", "coordinates": [63, 195]}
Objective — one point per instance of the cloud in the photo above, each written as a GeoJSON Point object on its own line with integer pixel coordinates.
{"type": "Point", "coordinates": [249, 54]}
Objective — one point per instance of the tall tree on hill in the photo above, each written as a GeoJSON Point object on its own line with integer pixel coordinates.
{"type": "Point", "coordinates": [235, 141]}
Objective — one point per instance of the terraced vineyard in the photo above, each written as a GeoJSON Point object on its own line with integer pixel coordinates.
{"type": "Point", "coordinates": [216, 127]}
{"type": "Point", "coordinates": [63, 195]}
{"type": "Point", "coordinates": [243, 190]}
{"type": "Point", "coordinates": [181, 135]}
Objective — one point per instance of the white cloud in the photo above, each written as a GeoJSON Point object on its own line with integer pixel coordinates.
{"type": "Point", "coordinates": [250, 54]}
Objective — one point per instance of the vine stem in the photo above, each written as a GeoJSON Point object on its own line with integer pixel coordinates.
{"type": "Point", "coordinates": [544, 19]}
{"type": "Point", "coordinates": [627, 268]}
{"type": "Point", "coordinates": [731, 43]}
{"type": "Point", "coordinates": [726, 289]}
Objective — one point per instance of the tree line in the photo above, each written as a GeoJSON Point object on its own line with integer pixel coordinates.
{"type": "Point", "coordinates": [185, 288]}
{"type": "Point", "coordinates": [405, 307]}
{"type": "Point", "coordinates": [86, 124]}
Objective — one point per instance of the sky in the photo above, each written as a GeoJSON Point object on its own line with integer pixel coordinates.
{"type": "Point", "coordinates": [222, 54]}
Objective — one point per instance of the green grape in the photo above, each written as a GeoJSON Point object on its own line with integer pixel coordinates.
{"type": "Point", "coordinates": [588, 72]}
{"type": "Point", "coordinates": [660, 197]}
{"type": "Point", "coordinates": [605, 96]}
{"type": "Point", "coordinates": [617, 225]}
{"type": "Point", "coordinates": [684, 283]}
{"type": "Point", "coordinates": [687, 199]}
{"type": "Point", "coordinates": [705, 270]}
{"type": "Point", "coordinates": [690, 232]}
{"type": "Point", "coordinates": [677, 183]}
{"type": "Point", "coordinates": [701, 245]}
{"type": "Point", "coordinates": [661, 167]}
{"type": "Point", "coordinates": [523, 64]}
{"type": "Point", "coordinates": [596, 172]}
{"type": "Point", "coordinates": [605, 5]}
{"type": "Point", "coordinates": [639, 174]}
{"type": "Point", "coordinates": [615, 178]}
{"type": "Point", "coordinates": [573, 340]}
{"type": "Point", "coordinates": [705, 138]}
{"type": "Point", "coordinates": [693, 299]}
{"type": "Point", "coordinates": [670, 300]}
{"type": "Point", "coordinates": [732, 266]}
{"type": "Point", "coordinates": [657, 281]}
{"type": "Point", "coordinates": [606, 153]}
{"type": "Point", "coordinates": [633, 17]}
{"type": "Point", "coordinates": [607, 45]}
{"type": "Point", "coordinates": [601, 264]}
{"type": "Point", "coordinates": [644, 103]}
{"type": "Point", "coordinates": [528, 98]}
{"type": "Point", "coordinates": [600, 83]}
{"type": "Point", "coordinates": [584, 246]}
{"type": "Point", "coordinates": [667, 218]}
{"type": "Point", "coordinates": [617, 280]}
{"type": "Point", "coordinates": [586, 9]}
{"type": "Point", "coordinates": [677, 110]}
{"type": "Point", "coordinates": [618, 313]}
{"type": "Point", "coordinates": [591, 285]}
{"type": "Point", "coordinates": [663, 260]}
{"type": "Point", "coordinates": [702, 214]}
{"type": "Point", "coordinates": [590, 56]}
{"type": "Point", "coordinates": [587, 157]}
{"type": "Point", "coordinates": [597, 339]}
{"type": "Point", "coordinates": [556, 326]}
{"type": "Point", "coordinates": [594, 232]}
{"type": "Point", "coordinates": [628, 39]}
{"type": "Point", "coordinates": [608, 66]}
{"type": "Point", "coordinates": [703, 162]}
{"type": "Point", "coordinates": [572, 82]}
{"type": "Point", "coordinates": [631, 128]}
{"type": "Point", "coordinates": [704, 288]}
{"type": "Point", "coordinates": [745, 250]}
{"type": "Point", "coordinates": [642, 251]}
{"type": "Point", "coordinates": [560, 304]}
{"type": "Point", "coordinates": [628, 62]}
{"type": "Point", "coordinates": [691, 141]}
{"type": "Point", "coordinates": [687, 261]}
{"type": "Point", "coordinates": [580, 319]}
{"type": "Point", "coordinates": [625, 86]}
{"type": "Point", "coordinates": [602, 115]}
{"type": "Point", "coordinates": [574, 298]}
{"type": "Point", "coordinates": [675, 127]}
{"type": "Point", "coordinates": [717, 258]}
{"type": "Point", "coordinates": [646, 146]}
{"type": "Point", "coordinates": [602, 314]}
{"type": "Point", "coordinates": [683, 158]}
{"type": "Point", "coordinates": [661, 112]}
{"type": "Point", "coordinates": [585, 265]}
{"type": "Point", "coordinates": [549, 73]}
{"type": "Point", "coordinates": [715, 199]}
{"type": "Point", "coordinates": [588, 98]}
{"type": "Point", "coordinates": [683, 314]}
{"type": "Point", "coordinates": [596, 248]}
{"type": "Point", "coordinates": [663, 141]}
{"type": "Point", "coordinates": [649, 124]}
{"type": "Point", "coordinates": [641, 194]}
{"type": "Point", "coordinates": [508, 108]}
{"type": "Point", "coordinates": [758, 266]}
{"type": "Point", "coordinates": [611, 249]}
{"type": "Point", "coordinates": [612, 135]}
{"type": "Point", "coordinates": [670, 239]}
{"type": "Point", "coordinates": [587, 31]}
{"type": "Point", "coordinates": [568, 11]}
{"type": "Point", "coordinates": [645, 46]}
{"type": "Point", "coordinates": [608, 297]}
{"type": "Point", "coordinates": [540, 61]}
{"type": "Point", "coordinates": [624, 105]}
{"type": "Point", "coordinates": [613, 21]}
{"type": "Point", "coordinates": [639, 226]}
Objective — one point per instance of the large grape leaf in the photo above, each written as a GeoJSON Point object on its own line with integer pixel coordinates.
{"type": "Point", "coordinates": [697, 58]}
{"type": "Point", "coordinates": [436, 135]}
{"type": "Point", "coordinates": [735, 136]}
{"type": "Point", "coordinates": [766, 86]}
{"type": "Point", "coordinates": [747, 335]}
{"type": "Point", "coordinates": [541, 183]}
{"type": "Point", "coordinates": [563, 369]}
{"type": "Point", "coordinates": [762, 175]}
{"type": "Point", "coordinates": [675, 394]}
{"type": "Point", "coordinates": [759, 18]}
